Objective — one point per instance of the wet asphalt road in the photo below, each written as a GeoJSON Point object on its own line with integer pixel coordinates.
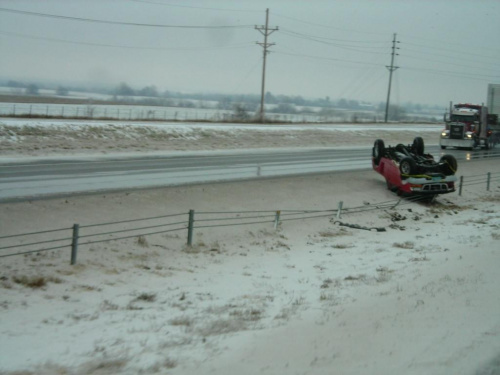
{"type": "Point", "coordinates": [48, 177]}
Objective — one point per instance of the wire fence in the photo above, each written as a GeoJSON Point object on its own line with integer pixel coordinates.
{"type": "Point", "coordinates": [112, 112]}
{"type": "Point", "coordinates": [155, 113]}
{"type": "Point", "coordinates": [84, 235]}
{"type": "Point", "coordinates": [478, 180]}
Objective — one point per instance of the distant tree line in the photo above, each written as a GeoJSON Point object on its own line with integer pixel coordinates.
{"type": "Point", "coordinates": [225, 101]}
{"type": "Point", "coordinates": [241, 104]}
{"type": "Point", "coordinates": [33, 89]}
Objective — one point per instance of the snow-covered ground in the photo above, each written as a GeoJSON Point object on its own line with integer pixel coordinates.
{"type": "Point", "coordinates": [52, 137]}
{"type": "Point", "coordinates": [317, 296]}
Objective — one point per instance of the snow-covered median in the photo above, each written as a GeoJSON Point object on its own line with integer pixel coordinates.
{"type": "Point", "coordinates": [44, 138]}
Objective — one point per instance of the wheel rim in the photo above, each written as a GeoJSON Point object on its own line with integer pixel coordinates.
{"type": "Point", "coordinates": [405, 168]}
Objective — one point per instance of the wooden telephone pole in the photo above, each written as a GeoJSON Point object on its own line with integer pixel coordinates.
{"type": "Point", "coordinates": [391, 69]}
{"type": "Point", "coordinates": [266, 31]}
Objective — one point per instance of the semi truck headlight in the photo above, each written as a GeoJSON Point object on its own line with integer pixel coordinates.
{"type": "Point", "coordinates": [469, 135]}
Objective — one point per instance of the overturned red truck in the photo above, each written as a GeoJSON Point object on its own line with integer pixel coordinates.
{"type": "Point", "coordinates": [408, 170]}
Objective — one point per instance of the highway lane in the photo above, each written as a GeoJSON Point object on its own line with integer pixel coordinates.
{"type": "Point", "coordinates": [178, 160]}
{"type": "Point", "coordinates": [46, 177]}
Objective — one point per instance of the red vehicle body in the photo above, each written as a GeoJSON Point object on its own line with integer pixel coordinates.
{"type": "Point", "coordinates": [409, 171]}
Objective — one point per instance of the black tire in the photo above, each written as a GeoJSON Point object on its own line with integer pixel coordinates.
{"type": "Point", "coordinates": [407, 166]}
{"type": "Point", "coordinates": [449, 165]}
{"type": "Point", "coordinates": [418, 146]}
{"type": "Point", "coordinates": [378, 151]}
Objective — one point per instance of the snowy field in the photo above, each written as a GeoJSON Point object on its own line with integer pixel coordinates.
{"type": "Point", "coordinates": [52, 137]}
{"type": "Point", "coordinates": [317, 296]}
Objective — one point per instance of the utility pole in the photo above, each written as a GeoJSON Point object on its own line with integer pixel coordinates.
{"type": "Point", "coordinates": [391, 69]}
{"type": "Point", "coordinates": [266, 31]}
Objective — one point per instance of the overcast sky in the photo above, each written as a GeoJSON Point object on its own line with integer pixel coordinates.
{"type": "Point", "coordinates": [449, 49]}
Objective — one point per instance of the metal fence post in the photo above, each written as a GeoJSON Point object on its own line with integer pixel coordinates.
{"type": "Point", "coordinates": [277, 219]}
{"type": "Point", "coordinates": [339, 209]}
{"type": "Point", "coordinates": [190, 227]}
{"type": "Point", "coordinates": [460, 185]}
{"type": "Point", "coordinates": [488, 181]}
{"type": "Point", "coordinates": [74, 244]}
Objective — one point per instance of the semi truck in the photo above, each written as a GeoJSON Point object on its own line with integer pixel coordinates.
{"type": "Point", "coordinates": [469, 126]}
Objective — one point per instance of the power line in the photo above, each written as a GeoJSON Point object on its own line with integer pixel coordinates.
{"type": "Point", "coordinates": [195, 7]}
{"type": "Point", "coordinates": [468, 46]}
{"type": "Point", "coordinates": [79, 19]}
{"type": "Point", "coordinates": [327, 58]}
{"type": "Point", "coordinates": [350, 48]}
{"type": "Point", "coordinates": [454, 74]}
{"type": "Point", "coordinates": [252, 69]}
{"type": "Point", "coordinates": [449, 63]}
{"type": "Point", "coordinates": [327, 26]}
{"type": "Point", "coordinates": [241, 45]}
{"type": "Point", "coordinates": [336, 40]}
{"type": "Point", "coordinates": [433, 71]}
{"type": "Point", "coordinates": [454, 58]}
{"type": "Point", "coordinates": [359, 79]}
{"type": "Point", "coordinates": [448, 43]}
{"type": "Point", "coordinates": [369, 84]}
{"type": "Point", "coordinates": [362, 82]}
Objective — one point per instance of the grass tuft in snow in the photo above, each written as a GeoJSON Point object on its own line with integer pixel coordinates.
{"type": "Point", "coordinates": [105, 366]}
{"type": "Point", "coordinates": [404, 245]}
{"type": "Point", "coordinates": [158, 368]}
{"type": "Point", "coordinates": [355, 278]}
{"type": "Point", "coordinates": [35, 282]}
{"type": "Point", "coordinates": [141, 241]}
{"type": "Point", "coordinates": [222, 326]}
{"type": "Point", "coordinates": [342, 246]}
{"type": "Point", "coordinates": [182, 321]}
{"type": "Point", "coordinates": [330, 233]}
{"type": "Point", "coordinates": [329, 282]}
{"type": "Point", "coordinates": [147, 297]}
